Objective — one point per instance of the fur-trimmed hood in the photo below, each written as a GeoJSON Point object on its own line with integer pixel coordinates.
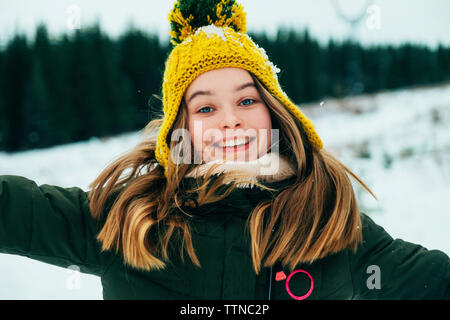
{"type": "Point", "coordinates": [270, 167]}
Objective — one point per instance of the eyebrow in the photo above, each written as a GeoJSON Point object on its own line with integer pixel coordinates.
{"type": "Point", "coordinates": [208, 93]}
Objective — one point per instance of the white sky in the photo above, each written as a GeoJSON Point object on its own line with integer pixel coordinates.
{"type": "Point", "coordinates": [399, 20]}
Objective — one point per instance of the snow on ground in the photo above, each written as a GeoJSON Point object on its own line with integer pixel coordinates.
{"type": "Point", "coordinates": [398, 142]}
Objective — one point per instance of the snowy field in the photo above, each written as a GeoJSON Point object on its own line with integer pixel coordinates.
{"type": "Point", "coordinates": [398, 142]}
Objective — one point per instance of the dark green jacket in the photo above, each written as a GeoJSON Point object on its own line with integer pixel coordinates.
{"type": "Point", "coordinates": [53, 225]}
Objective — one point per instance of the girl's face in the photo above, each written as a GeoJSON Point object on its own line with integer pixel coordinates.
{"type": "Point", "coordinates": [227, 119]}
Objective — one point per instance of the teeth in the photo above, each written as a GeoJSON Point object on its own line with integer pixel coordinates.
{"type": "Point", "coordinates": [233, 143]}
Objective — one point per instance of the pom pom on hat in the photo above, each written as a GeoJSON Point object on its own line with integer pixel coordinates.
{"type": "Point", "coordinates": [189, 15]}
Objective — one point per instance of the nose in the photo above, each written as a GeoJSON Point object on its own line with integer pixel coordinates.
{"type": "Point", "coordinates": [230, 121]}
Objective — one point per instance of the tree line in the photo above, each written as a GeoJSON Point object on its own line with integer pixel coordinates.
{"type": "Point", "coordinates": [57, 91]}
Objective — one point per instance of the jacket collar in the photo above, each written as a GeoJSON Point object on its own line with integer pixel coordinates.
{"type": "Point", "coordinates": [271, 167]}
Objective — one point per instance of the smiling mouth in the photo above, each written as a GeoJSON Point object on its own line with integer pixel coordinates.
{"type": "Point", "coordinates": [233, 147]}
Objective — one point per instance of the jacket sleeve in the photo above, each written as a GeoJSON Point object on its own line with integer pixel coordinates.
{"type": "Point", "coordinates": [384, 268]}
{"type": "Point", "coordinates": [50, 224]}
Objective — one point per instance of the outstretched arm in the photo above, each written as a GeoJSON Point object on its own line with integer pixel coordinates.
{"type": "Point", "coordinates": [50, 224]}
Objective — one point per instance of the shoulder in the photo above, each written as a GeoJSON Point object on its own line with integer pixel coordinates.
{"type": "Point", "coordinates": [387, 268]}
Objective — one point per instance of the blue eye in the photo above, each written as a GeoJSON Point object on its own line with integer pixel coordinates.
{"type": "Point", "coordinates": [203, 109]}
{"type": "Point", "coordinates": [253, 101]}
{"type": "Point", "coordinates": [244, 102]}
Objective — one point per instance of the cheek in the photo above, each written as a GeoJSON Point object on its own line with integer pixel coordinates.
{"type": "Point", "coordinates": [198, 130]}
{"type": "Point", "coordinates": [262, 122]}
{"type": "Point", "coordinates": [260, 119]}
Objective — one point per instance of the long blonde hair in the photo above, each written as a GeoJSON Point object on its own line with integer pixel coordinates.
{"type": "Point", "coordinates": [315, 216]}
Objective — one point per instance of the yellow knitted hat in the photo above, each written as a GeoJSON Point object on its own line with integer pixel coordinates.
{"type": "Point", "coordinates": [208, 35]}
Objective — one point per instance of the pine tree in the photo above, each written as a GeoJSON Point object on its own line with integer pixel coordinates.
{"type": "Point", "coordinates": [14, 83]}
{"type": "Point", "coordinates": [141, 63]}
{"type": "Point", "coordinates": [42, 86]}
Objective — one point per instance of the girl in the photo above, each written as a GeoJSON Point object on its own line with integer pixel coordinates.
{"type": "Point", "coordinates": [231, 196]}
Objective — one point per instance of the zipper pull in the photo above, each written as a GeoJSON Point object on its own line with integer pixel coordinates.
{"type": "Point", "coordinates": [280, 276]}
